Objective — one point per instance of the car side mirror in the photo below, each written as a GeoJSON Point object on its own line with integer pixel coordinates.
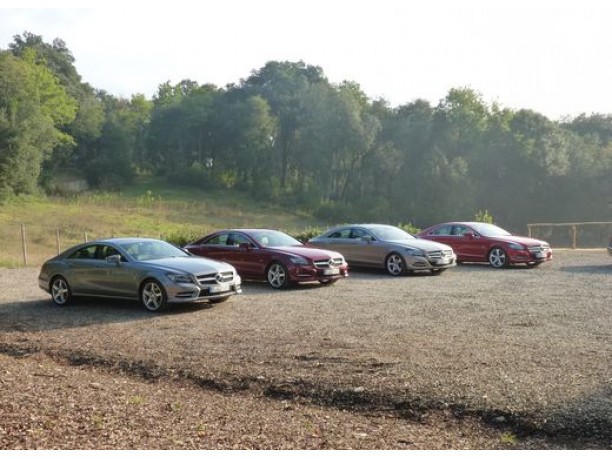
{"type": "Point", "coordinates": [366, 238]}
{"type": "Point", "coordinates": [469, 235]}
{"type": "Point", "coordinates": [114, 259]}
{"type": "Point", "coordinates": [245, 246]}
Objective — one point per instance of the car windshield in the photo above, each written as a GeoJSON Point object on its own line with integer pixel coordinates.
{"type": "Point", "coordinates": [390, 233]}
{"type": "Point", "coordinates": [151, 250]}
{"type": "Point", "coordinates": [274, 239]}
{"type": "Point", "coordinates": [488, 230]}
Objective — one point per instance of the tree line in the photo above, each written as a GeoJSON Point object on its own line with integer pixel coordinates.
{"type": "Point", "coordinates": [287, 135]}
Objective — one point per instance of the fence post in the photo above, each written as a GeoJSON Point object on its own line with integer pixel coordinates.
{"type": "Point", "coordinates": [574, 237]}
{"type": "Point", "coordinates": [528, 230]}
{"type": "Point", "coordinates": [23, 245]}
{"type": "Point", "coordinates": [57, 239]}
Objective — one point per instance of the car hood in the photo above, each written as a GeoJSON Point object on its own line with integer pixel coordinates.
{"type": "Point", "coordinates": [422, 244]}
{"type": "Point", "coordinates": [528, 241]}
{"type": "Point", "coordinates": [189, 264]}
{"type": "Point", "coordinates": [307, 252]}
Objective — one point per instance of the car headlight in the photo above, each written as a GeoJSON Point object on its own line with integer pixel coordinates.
{"type": "Point", "coordinates": [180, 278]}
{"type": "Point", "coordinates": [299, 260]}
{"type": "Point", "coordinates": [415, 252]}
{"type": "Point", "coordinates": [516, 246]}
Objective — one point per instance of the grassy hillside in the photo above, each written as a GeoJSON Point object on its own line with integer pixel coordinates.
{"type": "Point", "coordinates": [148, 208]}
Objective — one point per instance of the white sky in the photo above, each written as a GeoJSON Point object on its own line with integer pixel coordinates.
{"type": "Point", "coordinates": [553, 57]}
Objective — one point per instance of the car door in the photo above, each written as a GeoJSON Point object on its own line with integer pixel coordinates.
{"type": "Point", "coordinates": [245, 256]}
{"type": "Point", "coordinates": [469, 244]}
{"type": "Point", "coordinates": [81, 267]}
{"type": "Point", "coordinates": [214, 247]}
{"type": "Point", "coordinates": [339, 241]}
{"type": "Point", "coordinates": [364, 248]}
{"type": "Point", "coordinates": [112, 278]}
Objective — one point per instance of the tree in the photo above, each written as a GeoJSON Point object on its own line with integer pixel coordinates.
{"type": "Point", "coordinates": [33, 108]}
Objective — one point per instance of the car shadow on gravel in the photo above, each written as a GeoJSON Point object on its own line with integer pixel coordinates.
{"type": "Point", "coordinates": [43, 315]}
{"type": "Point", "coordinates": [588, 269]}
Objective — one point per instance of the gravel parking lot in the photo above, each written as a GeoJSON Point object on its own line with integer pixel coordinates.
{"type": "Point", "coordinates": [476, 358]}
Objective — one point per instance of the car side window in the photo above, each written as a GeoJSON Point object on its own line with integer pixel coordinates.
{"type": "Point", "coordinates": [357, 233]}
{"type": "Point", "coordinates": [85, 253]}
{"type": "Point", "coordinates": [105, 251]}
{"type": "Point", "coordinates": [460, 230]}
{"type": "Point", "coordinates": [344, 233]}
{"type": "Point", "coordinates": [218, 239]}
{"type": "Point", "coordinates": [237, 239]}
{"type": "Point", "coordinates": [443, 231]}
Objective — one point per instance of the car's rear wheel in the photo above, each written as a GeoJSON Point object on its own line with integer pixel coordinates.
{"type": "Point", "coordinates": [277, 276]}
{"type": "Point", "coordinates": [395, 264]}
{"type": "Point", "coordinates": [153, 295]}
{"type": "Point", "coordinates": [498, 258]}
{"type": "Point", "coordinates": [60, 291]}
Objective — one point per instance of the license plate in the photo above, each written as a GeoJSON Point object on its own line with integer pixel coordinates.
{"type": "Point", "coordinates": [331, 272]}
{"type": "Point", "coordinates": [442, 262]}
{"type": "Point", "coordinates": [541, 255]}
{"type": "Point", "coordinates": [219, 288]}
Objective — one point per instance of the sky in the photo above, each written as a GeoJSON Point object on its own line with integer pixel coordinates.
{"type": "Point", "coordinates": [552, 57]}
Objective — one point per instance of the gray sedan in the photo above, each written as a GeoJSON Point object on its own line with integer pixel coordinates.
{"type": "Point", "coordinates": [385, 246]}
{"type": "Point", "coordinates": [151, 270]}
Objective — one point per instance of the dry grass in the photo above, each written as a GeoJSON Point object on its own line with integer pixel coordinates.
{"type": "Point", "coordinates": [149, 208]}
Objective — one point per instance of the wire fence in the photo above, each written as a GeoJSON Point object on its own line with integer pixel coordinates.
{"type": "Point", "coordinates": [26, 246]}
{"type": "Point", "coordinates": [580, 235]}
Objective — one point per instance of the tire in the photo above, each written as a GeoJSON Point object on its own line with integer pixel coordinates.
{"type": "Point", "coordinates": [153, 296]}
{"type": "Point", "coordinates": [395, 264]}
{"type": "Point", "coordinates": [219, 300]}
{"type": "Point", "coordinates": [277, 276]}
{"type": "Point", "coordinates": [61, 293]}
{"type": "Point", "coordinates": [498, 258]}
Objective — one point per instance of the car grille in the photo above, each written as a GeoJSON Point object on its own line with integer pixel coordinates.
{"type": "Point", "coordinates": [216, 278]}
{"type": "Point", "coordinates": [539, 248]}
{"type": "Point", "coordinates": [438, 254]}
{"type": "Point", "coordinates": [329, 263]}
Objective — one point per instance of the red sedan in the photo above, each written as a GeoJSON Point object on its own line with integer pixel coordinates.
{"type": "Point", "coordinates": [273, 256]}
{"type": "Point", "coordinates": [484, 242]}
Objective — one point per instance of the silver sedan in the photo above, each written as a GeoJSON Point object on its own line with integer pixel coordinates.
{"type": "Point", "coordinates": [388, 247]}
{"type": "Point", "coordinates": [153, 271]}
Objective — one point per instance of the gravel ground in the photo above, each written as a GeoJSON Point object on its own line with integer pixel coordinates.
{"type": "Point", "coordinates": [476, 358]}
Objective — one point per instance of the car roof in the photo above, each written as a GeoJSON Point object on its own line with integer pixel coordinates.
{"type": "Point", "coordinates": [122, 240]}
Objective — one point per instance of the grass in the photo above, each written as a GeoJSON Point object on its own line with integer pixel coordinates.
{"type": "Point", "coordinates": [150, 207]}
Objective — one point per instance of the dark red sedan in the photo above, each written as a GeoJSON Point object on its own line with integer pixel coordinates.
{"type": "Point", "coordinates": [270, 255]}
{"type": "Point", "coordinates": [484, 242]}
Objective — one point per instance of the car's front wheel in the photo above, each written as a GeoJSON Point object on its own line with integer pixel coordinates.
{"type": "Point", "coordinates": [277, 275]}
{"type": "Point", "coordinates": [498, 258]}
{"type": "Point", "coordinates": [60, 291]}
{"type": "Point", "coordinates": [153, 296]}
{"type": "Point", "coordinates": [395, 264]}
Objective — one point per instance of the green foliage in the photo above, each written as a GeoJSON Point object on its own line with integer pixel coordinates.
{"type": "Point", "coordinates": [289, 137]}
{"type": "Point", "coordinates": [483, 217]}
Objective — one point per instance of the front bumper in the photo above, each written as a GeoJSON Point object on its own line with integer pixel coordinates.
{"type": "Point", "coordinates": [312, 274]}
{"type": "Point", "coordinates": [525, 256]}
{"type": "Point", "coordinates": [414, 263]}
{"type": "Point", "coordinates": [192, 293]}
